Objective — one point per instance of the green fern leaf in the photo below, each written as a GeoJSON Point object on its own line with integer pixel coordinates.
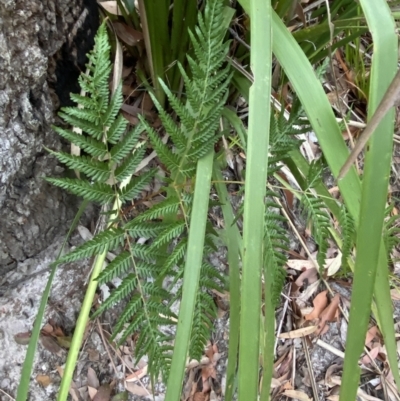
{"type": "Point", "coordinates": [136, 186]}
{"type": "Point", "coordinates": [102, 242]}
{"type": "Point", "coordinates": [94, 169]}
{"type": "Point", "coordinates": [88, 144]}
{"type": "Point", "coordinates": [97, 192]}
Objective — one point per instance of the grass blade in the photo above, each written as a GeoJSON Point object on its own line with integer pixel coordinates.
{"type": "Point", "coordinates": [256, 175]}
{"type": "Point", "coordinates": [374, 194]}
{"type": "Point", "coordinates": [234, 245]}
{"type": "Point", "coordinates": [23, 388]}
{"type": "Point", "coordinates": [198, 220]}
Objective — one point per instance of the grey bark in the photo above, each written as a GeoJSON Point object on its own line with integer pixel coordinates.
{"type": "Point", "coordinates": [38, 61]}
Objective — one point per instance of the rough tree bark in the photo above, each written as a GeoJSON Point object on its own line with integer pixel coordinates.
{"type": "Point", "coordinates": [42, 48]}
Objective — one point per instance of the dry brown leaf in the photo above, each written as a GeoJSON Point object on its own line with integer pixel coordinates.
{"type": "Point", "coordinates": [135, 376]}
{"type": "Point", "coordinates": [92, 392]}
{"type": "Point", "coordinates": [94, 355]}
{"type": "Point", "coordinates": [51, 345]}
{"type": "Point", "coordinates": [305, 331]}
{"type": "Point", "coordinates": [329, 373]}
{"type": "Point", "coordinates": [47, 329]}
{"type": "Point", "coordinates": [320, 302]}
{"type": "Point", "coordinates": [111, 7]}
{"type": "Point", "coordinates": [92, 379]}
{"type": "Point", "coordinates": [300, 395]}
{"type": "Point", "coordinates": [308, 276]}
{"type": "Point", "coordinates": [395, 294]}
{"type": "Point", "coordinates": [43, 380]}
{"type": "Point", "coordinates": [371, 356]}
{"type": "Point", "coordinates": [147, 103]}
{"type": "Point", "coordinates": [200, 397]}
{"type": "Point", "coordinates": [103, 393]}
{"type": "Point", "coordinates": [127, 34]}
{"type": "Point", "coordinates": [136, 389]}
{"type": "Point", "coordinates": [372, 333]}
{"type": "Point", "coordinates": [22, 338]}
{"type": "Point", "coordinates": [329, 314]}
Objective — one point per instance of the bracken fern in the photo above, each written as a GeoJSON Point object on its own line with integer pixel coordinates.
{"type": "Point", "coordinates": [152, 271]}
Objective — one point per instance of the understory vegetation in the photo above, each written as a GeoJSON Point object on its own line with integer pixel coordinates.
{"type": "Point", "coordinates": [216, 97]}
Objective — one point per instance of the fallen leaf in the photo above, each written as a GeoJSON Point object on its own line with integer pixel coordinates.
{"type": "Point", "coordinates": [395, 294]}
{"type": "Point", "coordinates": [371, 356]}
{"type": "Point", "coordinates": [22, 338]}
{"type": "Point", "coordinates": [127, 34]}
{"type": "Point", "coordinates": [92, 392]}
{"type": "Point", "coordinates": [300, 395]}
{"type": "Point", "coordinates": [305, 331]}
{"type": "Point", "coordinates": [43, 380]}
{"type": "Point", "coordinates": [135, 376]}
{"type": "Point", "coordinates": [103, 393]}
{"type": "Point", "coordinates": [200, 397]}
{"type": "Point", "coordinates": [111, 7]}
{"type": "Point", "coordinates": [51, 345]}
{"type": "Point", "coordinates": [94, 355]}
{"type": "Point", "coordinates": [371, 334]}
{"type": "Point", "coordinates": [328, 315]}
{"type": "Point", "coordinates": [47, 329]}
{"type": "Point", "coordinates": [320, 302]}
{"type": "Point", "coordinates": [92, 379]}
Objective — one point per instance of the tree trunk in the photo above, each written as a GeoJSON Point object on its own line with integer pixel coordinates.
{"type": "Point", "coordinates": [42, 49]}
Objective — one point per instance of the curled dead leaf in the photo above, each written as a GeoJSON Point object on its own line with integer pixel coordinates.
{"type": "Point", "coordinates": [320, 302]}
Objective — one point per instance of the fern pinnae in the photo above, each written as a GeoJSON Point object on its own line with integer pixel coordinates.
{"type": "Point", "coordinates": [127, 286]}
{"type": "Point", "coordinates": [97, 192]}
{"type": "Point", "coordinates": [103, 242]}
{"type": "Point", "coordinates": [136, 186]}
{"type": "Point", "coordinates": [115, 268]}
{"type": "Point", "coordinates": [90, 167]}
{"type": "Point", "coordinates": [348, 232]}
{"type": "Point", "coordinates": [158, 211]}
{"type": "Point", "coordinates": [88, 144]}
{"type": "Point", "coordinates": [320, 222]}
{"type": "Point", "coordinates": [128, 167]}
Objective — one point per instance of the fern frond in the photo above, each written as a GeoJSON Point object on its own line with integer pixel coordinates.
{"type": "Point", "coordinates": [88, 144]}
{"type": "Point", "coordinates": [172, 230]}
{"type": "Point", "coordinates": [128, 167]}
{"type": "Point", "coordinates": [116, 268]}
{"type": "Point", "coordinates": [127, 286]}
{"type": "Point", "coordinates": [166, 207]}
{"type": "Point", "coordinates": [320, 222]}
{"type": "Point", "coordinates": [113, 108]}
{"type": "Point", "coordinates": [136, 186]}
{"type": "Point", "coordinates": [390, 230]}
{"type": "Point", "coordinates": [205, 313]}
{"type": "Point", "coordinates": [95, 130]}
{"type": "Point", "coordinates": [166, 156]}
{"type": "Point", "coordinates": [347, 226]}
{"type": "Point", "coordinates": [103, 242]}
{"type": "Point", "coordinates": [124, 147]}
{"type": "Point", "coordinates": [94, 169]}
{"type": "Point", "coordinates": [116, 129]}
{"type": "Point", "coordinates": [96, 192]}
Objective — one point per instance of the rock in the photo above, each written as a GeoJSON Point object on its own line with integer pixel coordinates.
{"type": "Point", "coordinates": [42, 49]}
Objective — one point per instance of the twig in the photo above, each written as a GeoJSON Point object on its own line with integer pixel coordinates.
{"type": "Point", "coordinates": [387, 102]}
